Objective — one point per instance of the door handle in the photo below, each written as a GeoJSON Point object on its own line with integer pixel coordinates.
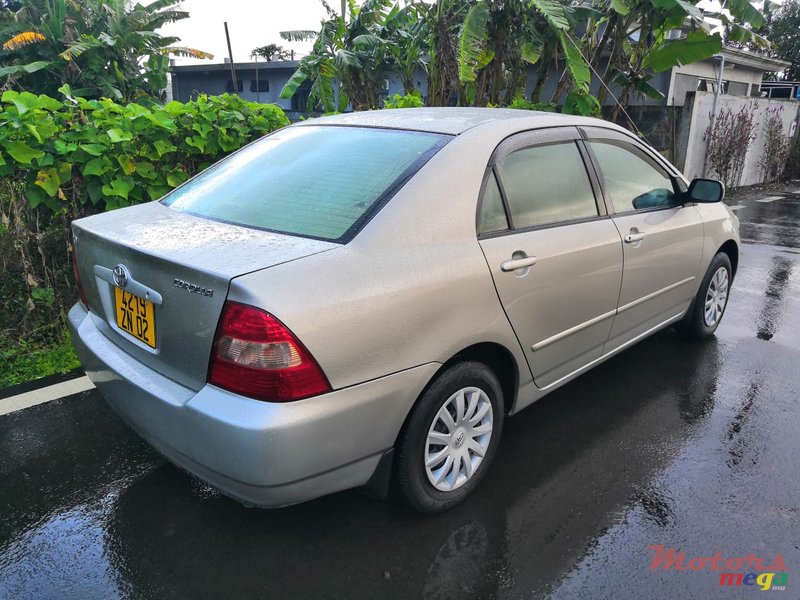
{"type": "Point", "coordinates": [633, 237]}
{"type": "Point", "coordinates": [517, 263]}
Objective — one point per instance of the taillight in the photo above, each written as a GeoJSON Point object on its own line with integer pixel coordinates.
{"type": "Point", "coordinates": [78, 284]}
{"type": "Point", "coordinates": [255, 355]}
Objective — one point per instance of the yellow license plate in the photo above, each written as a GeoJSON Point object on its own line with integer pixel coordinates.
{"type": "Point", "coordinates": [135, 316]}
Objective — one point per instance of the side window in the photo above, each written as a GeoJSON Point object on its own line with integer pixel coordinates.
{"type": "Point", "coordinates": [492, 216]}
{"type": "Point", "coordinates": [633, 181]}
{"type": "Point", "coordinates": [546, 184]}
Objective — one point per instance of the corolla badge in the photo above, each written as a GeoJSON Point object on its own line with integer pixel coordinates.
{"type": "Point", "coordinates": [121, 275]}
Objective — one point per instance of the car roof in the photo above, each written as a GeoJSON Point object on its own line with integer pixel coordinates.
{"type": "Point", "coordinates": [453, 120]}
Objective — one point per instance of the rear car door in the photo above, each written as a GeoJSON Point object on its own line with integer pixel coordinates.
{"type": "Point", "coordinates": [662, 238]}
{"type": "Point", "coordinates": [555, 256]}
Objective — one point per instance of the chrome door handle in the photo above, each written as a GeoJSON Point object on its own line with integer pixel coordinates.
{"type": "Point", "coordinates": [633, 237]}
{"type": "Point", "coordinates": [517, 263]}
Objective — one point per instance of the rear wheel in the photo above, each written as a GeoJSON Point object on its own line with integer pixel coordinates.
{"type": "Point", "coordinates": [708, 307]}
{"type": "Point", "coordinates": [450, 438]}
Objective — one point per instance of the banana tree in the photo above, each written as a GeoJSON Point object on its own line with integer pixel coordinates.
{"type": "Point", "coordinates": [346, 50]}
{"type": "Point", "coordinates": [633, 41]}
{"type": "Point", "coordinates": [98, 47]}
{"type": "Point", "coordinates": [404, 33]}
{"type": "Point", "coordinates": [499, 40]}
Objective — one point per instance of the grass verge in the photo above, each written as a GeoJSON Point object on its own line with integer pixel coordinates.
{"type": "Point", "coordinates": [25, 362]}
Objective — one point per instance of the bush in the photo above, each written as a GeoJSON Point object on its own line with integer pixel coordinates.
{"type": "Point", "coordinates": [413, 100]}
{"type": "Point", "coordinates": [729, 141]}
{"type": "Point", "coordinates": [523, 104]}
{"type": "Point", "coordinates": [63, 159]}
{"type": "Point", "coordinates": [111, 155]}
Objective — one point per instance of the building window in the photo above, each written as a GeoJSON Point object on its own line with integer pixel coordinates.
{"type": "Point", "coordinates": [262, 85]}
{"type": "Point", "coordinates": [710, 85]}
{"type": "Point", "coordinates": [239, 85]}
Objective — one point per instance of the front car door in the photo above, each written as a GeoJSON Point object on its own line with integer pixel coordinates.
{"type": "Point", "coordinates": [662, 239]}
{"type": "Point", "coordinates": [555, 256]}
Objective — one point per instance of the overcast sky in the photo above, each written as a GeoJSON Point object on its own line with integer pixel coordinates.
{"type": "Point", "coordinates": [251, 23]}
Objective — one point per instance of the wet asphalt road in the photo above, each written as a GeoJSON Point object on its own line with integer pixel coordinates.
{"type": "Point", "coordinates": [692, 446]}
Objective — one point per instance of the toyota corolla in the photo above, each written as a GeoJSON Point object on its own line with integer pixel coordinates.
{"type": "Point", "coordinates": [362, 300]}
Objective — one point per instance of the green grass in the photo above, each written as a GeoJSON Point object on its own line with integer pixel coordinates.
{"type": "Point", "coordinates": [25, 363]}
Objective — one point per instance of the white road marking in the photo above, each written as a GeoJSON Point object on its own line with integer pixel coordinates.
{"type": "Point", "coordinates": [45, 394]}
{"type": "Point", "coordinates": [737, 207]}
{"type": "Point", "coordinates": [770, 199]}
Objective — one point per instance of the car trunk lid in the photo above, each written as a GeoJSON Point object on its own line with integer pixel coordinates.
{"type": "Point", "coordinates": [181, 263]}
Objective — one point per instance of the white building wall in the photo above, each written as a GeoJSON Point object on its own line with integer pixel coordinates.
{"type": "Point", "coordinates": [701, 118]}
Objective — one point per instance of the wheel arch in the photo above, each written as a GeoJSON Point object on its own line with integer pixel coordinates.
{"type": "Point", "coordinates": [495, 356]}
{"type": "Point", "coordinates": [731, 248]}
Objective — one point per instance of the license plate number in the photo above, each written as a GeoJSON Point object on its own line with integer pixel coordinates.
{"type": "Point", "coordinates": [135, 316]}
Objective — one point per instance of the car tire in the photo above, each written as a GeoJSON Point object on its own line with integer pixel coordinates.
{"type": "Point", "coordinates": [708, 307]}
{"type": "Point", "coordinates": [433, 477]}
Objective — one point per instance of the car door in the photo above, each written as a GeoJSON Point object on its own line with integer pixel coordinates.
{"type": "Point", "coordinates": [662, 238]}
{"type": "Point", "coordinates": [555, 256]}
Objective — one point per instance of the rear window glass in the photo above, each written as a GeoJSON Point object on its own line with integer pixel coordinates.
{"type": "Point", "coordinates": [315, 181]}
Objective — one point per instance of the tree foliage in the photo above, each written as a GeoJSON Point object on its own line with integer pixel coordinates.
{"type": "Point", "coordinates": [783, 30]}
{"type": "Point", "coordinates": [478, 52]}
{"type": "Point", "coordinates": [101, 48]}
{"type": "Point", "coordinates": [271, 52]}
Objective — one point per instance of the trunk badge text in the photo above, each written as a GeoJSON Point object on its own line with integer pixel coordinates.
{"type": "Point", "coordinates": [121, 275]}
{"type": "Point", "coordinates": [192, 287]}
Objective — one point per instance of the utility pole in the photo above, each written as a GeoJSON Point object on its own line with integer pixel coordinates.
{"type": "Point", "coordinates": [344, 10]}
{"type": "Point", "coordinates": [230, 55]}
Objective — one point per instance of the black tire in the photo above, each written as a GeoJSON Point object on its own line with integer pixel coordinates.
{"type": "Point", "coordinates": [414, 487]}
{"type": "Point", "coordinates": [694, 325]}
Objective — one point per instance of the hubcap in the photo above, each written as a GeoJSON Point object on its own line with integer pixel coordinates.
{"type": "Point", "coordinates": [716, 297]}
{"type": "Point", "coordinates": [458, 439]}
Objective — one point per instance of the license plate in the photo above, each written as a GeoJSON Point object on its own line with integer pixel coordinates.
{"type": "Point", "coordinates": [136, 316]}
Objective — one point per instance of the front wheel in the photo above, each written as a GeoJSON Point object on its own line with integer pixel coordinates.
{"type": "Point", "coordinates": [450, 438]}
{"type": "Point", "coordinates": [708, 307]}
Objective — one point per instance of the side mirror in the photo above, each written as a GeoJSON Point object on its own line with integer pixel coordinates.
{"type": "Point", "coordinates": [705, 190]}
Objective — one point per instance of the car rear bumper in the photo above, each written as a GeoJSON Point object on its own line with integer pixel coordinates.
{"type": "Point", "coordinates": [269, 454]}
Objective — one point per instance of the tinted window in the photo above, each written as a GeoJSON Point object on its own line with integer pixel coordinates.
{"type": "Point", "coordinates": [632, 180]}
{"type": "Point", "coordinates": [314, 181]}
{"type": "Point", "coordinates": [546, 184]}
{"type": "Point", "coordinates": [493, 215]}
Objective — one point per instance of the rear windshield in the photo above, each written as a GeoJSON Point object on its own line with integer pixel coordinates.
{"type": "Point", "coordinates": [322, 182]}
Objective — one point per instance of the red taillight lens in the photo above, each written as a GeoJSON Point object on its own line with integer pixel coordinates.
{"type": "Point", "coordinates": [78, 284]}
{"type": "Point", "coordinates": [255, 355]}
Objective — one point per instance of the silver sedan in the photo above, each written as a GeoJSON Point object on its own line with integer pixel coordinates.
{"type": "Point", "coordinates": [361, 300]}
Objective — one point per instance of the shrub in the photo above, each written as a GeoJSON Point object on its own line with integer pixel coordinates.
{"type": "Point", "coordinates": [63, 159]}
{"type": "Point", "coordinates": [776, 146]}
{"type": "Point", "coordinates": [413, 100]}
{"type": "Point", "coordinates": [112, 155]}
{"type": "Point", "coordinates": [523, 104]}
{"type": "Point", "coordinates": [728, 142]}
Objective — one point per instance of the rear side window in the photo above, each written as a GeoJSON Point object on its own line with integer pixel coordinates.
{"type": "Point", "coordinates": [318, 181]}
{"type": "Point", "coordinates": [546, 184]}
{"type": "Point", "coordinates": [492, 216]}
{"type": "Point", "coordinates": [632, 180]}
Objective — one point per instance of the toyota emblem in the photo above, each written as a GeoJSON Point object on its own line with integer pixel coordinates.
{"type": "Point", "coordinates": [121, 275]}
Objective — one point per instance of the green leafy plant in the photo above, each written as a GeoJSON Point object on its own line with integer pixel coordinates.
{"type": "Point", "coordinates": [106, 48]}
{"type": "Point", "coordinates": [413, 100]}
{"type": "Point", "coordinates": [79, 151]}
{"type": "Point", "coordinates": [523, 104]}
{"type": "Point", "coordinates": [63, 159]}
